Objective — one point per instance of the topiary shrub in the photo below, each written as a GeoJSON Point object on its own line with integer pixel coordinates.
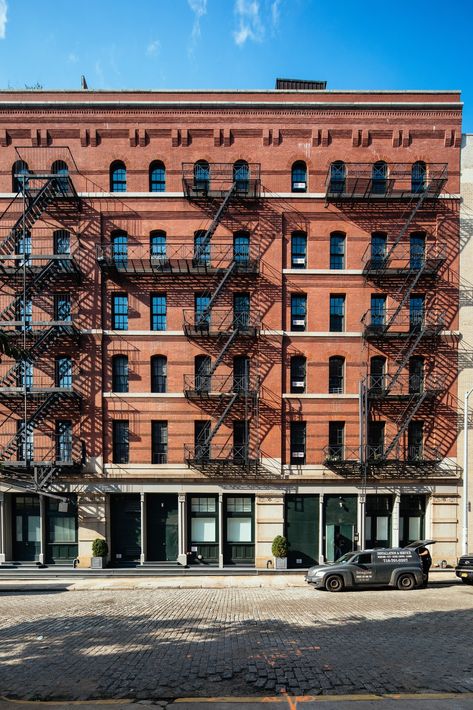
{"type": "Point", "coordinates": [99, 548]}
{"type": "Point", "coordinates": [279, 547]}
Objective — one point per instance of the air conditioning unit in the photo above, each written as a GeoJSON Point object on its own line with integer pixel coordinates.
{"type": "Point", "coordinates": [299, 185]}
{"type": "Point", "coordinates": [297, 384]}
{"type": "Point", "coordinates": [298, 322]}
{"type": "Point", "coordinates": [297, 454]}
{"type": "Point", "coordinates": [298, 260]}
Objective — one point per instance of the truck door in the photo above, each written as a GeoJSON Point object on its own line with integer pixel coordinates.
{"type": "Point", "coordinates": [363, 569]}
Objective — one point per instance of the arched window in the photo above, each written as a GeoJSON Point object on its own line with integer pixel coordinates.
{"type": "Point", "coordinates": [59, 167]}
{"type": "Point", "coordinates": [379, 178]}
{"type": "Point", "coordinates": [157, 176]}
{"type": "Point", "coordinates": [377, 374]}
{"type": "Point", "coordinates": [338, 173]}
{"type": "Point", "coordinates": [419, 176]}
{"type": "Point", "coordinates": [202, 176]}
{"type": "Point", "coordinates": [119, 248]}
{"type": "Point", "coordinates": [336, 366]}
{"type": "Point", "coordinates": [202, 365]}
{"type": "Point", "coordinates": [241, 373]}
{"type": "Point", "coordinates": [416, 375]}
{"type": "Point", "coordinates": [62, 241]}
{"type": "Point", "coordinates": [120, 373]}
{"type": "Point", "coordinates": [241, 248]}
{"type": "Point", "coordinates": [118, 176]}
{"type": "Point", "coordinates": [298, 374]}
{"type": "Point", "coordinates": [379, 242]}
{"type": "Point", "coordinates": [299, 177]}
{"type": "Point", "coordinates": [157, 245]}
{"type": "Point", "coordinates": [159, 365]}
{"type": "Point", "coordinates": [201, 247]}
{"type": "Point", "coordinates": [241, 176]}
{"type": "Point", "coordinates": [18, 171]}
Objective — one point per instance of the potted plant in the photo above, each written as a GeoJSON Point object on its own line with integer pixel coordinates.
{"type": "Point", "coordinates": [279, 550]}
{"type": "Point", "coordinates": [99, 553]}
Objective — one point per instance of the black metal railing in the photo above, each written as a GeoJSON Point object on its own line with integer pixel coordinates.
{"type": "Point", "coordinates": [215, 179]}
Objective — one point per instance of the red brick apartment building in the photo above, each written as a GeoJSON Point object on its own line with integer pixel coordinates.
{"type": "Point", "coordinates": [236, 317]}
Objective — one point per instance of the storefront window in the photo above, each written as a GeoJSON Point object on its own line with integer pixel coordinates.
{"type": "Point", "coordinates": [239, 530]}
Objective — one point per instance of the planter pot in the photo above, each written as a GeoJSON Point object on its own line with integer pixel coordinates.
{"type": "Point", "coordinates": [280, 563]}
{"type": "Point", "coordinates": [98, 562]}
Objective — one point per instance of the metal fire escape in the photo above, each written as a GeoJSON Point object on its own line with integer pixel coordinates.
{"type": "Point", "coordinates": [217, 186]}
{"type": "Point", "coordinates": [399, 268]}
{"type": "Point", "coordinates": [34, 397]}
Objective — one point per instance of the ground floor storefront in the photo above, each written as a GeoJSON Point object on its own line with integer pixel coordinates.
{"type": "Point", "coordinates": [224, 526]}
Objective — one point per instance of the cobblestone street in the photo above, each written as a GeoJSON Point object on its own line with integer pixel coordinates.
{"type": "Point", "coordinates": [179, 643]}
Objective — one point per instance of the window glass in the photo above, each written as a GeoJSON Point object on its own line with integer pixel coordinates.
{"type": "Point", "coordinates": [158, 312]}
{"type": "Point", "coordinates": [298, 250]}
{"type": "Point", "coordinates": [239, 505]}
{"type": "Point", "coordinates": [337, 251]}
{"type": "Point", "coordinates": [337, 313]}
{"type": "Point", "coordinates": [204, 530]}
{"type": "Point", "coordinates": [157, 243]}
{"type": "Point", "coordinates": [118, 177]}
{"type": "Point", "coordinates": [120, 311]}
{"type": "Point", "coordinates": [239, 530]}
{"type": "Point", "coordinates": [200, 504]}
{"type": "Point", "coordinates": [157, 177]}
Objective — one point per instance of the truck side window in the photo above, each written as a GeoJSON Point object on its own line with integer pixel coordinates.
{"type": "Point", "coordinates": [365, 559]}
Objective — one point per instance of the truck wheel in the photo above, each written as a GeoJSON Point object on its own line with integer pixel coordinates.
{"type": "Point", "coordinates": [466, 581]}
{"type": "Point", "coordinates": [334, 583]}
{"type": "Point", "coordinates": [405, 582]}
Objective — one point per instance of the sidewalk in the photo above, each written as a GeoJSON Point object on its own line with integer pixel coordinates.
{"type": "Point", "coordinates": [78, 581]}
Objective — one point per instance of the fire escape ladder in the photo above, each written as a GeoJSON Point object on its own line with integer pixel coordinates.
{"type": "Point", "coordinates": [44, 342]}
{"type": "Point", "coordinates": [407, 289]}
{"type": "Point", "coordinates": [418, 204]}
{"type": "Point", "coordinates": [405, 418]}
{"type": "Point", "coordinates": [403, 358]}
{"type": "Point", "coordinates": [38, 415]}
{"type": "Point", "coordinates": [213, 297]}
{"type": "Point", "coordinates": [35, 206]}
{"type": "Point", "coordinates": [11, 377]}
{"type": "Point", "coordinates": [216, 221]}
{"type": "Point", "coordinates": [221, 355]}
{"type": "Point", "coordinates": [40, 280]}
{"type": "Point", "coordinates": [220, 420]}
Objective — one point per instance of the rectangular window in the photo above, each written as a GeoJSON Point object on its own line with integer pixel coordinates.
{"type": "Point", "coordinates": [375, 440]}
{"type": "Point", "coordinates": [64, 440]}
{"type": "Point", "coordinates": [159, 442]}
{"type": "Point", "coordinates": [378, 311]}
{"type": "Point", "coordinates": [62, 242]}
{"type": "Point", "coordinates": [201, 309]}
{"type": "Point", "coordinates": [298, 374]}
{"type": "Point", "coordinates": [203, 518]}
{"type": "Point", "coordinates": [298, 312]}
{"type": "Point", "coordinates": [415, 440]}
{"type": "Point", "coordinates": [337, 314]}
{"type": "Point", "coordinates": [241, 310]}
{"type": "Point", "coordinates": [337, 251]}
{"type": "Point", "coordinates": [201, 434]}
{"type": "Point", "coordinates": [120, 311]}
{"type": "Point", "coordinates": [241, 436]}
{"type": "Point", "coordinates": [63, 371]}
{"type": "Point", "coordinates": [297, 443]}
{"type": "Point", "coordinates": [416, 312]}
{"type": "Point", "coordinates": [24, 313]}
{"type": "Point", "coordinates": [120, 441]}
{"type": "Point", "coordinates": [62, 307]}
{"type": "Point", "coordinates": [336, 431]}
{"type": "Point", "coordinates": [158, 311]}
{"type": "Point", "coordinates": [298, 251]}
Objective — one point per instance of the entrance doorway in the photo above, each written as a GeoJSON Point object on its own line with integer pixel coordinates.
{"type": "Point", "coordinates": [339, 525]}
{"type": "Point", "coordinates": [411, 518]}
{"type": "Point", "coordinates": [125, 523]}
{"type": "Point", "coordinates": [378, 521]}
{"type": "Point", "coordinates": [302, 530]}
{"type": "Point", "coordinates": [239, 530]}
{"type": "Point", "coordinates": [26, 528]}
{"type": "Point", "coordinates": [161, 527]}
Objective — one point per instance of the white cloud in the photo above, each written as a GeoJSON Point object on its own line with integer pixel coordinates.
{"type": "Point", "coordinates": [72, 58]}
{"type": "Point", "coordinates": [199, 8]}
{"type": "Point", "coordinates": [253, 18]}
{"type": "Point", "coordinates": [3, 18]}
{"type": "Point", "coordinates": [249, 22]}
{"type": "Point", "coordinates": [153, 48]}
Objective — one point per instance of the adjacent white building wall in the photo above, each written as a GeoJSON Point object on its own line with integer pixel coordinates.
{"type": "Point", "coordinates": [465, 379]}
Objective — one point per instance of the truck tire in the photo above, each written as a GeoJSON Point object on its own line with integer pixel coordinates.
{"type": "Point", "coordinates": [405, 582]}
{"type": "Point", "coordinates": [334, 583]}
{"type": "Point", "coordinates": [466, 581]}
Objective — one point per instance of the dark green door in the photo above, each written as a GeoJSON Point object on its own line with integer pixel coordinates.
{"type": "Point", "coordinates": [239, 530]}
{"type": "Point", "coordinates": [161, 527]}
{"type": "Point", "coordinates": [302, 530]}
{"type": "Point", "coordinates": [26, 528]}
{"type": "Point", "coordinates": [340, 519]}
{"type": "Point", "coordinates": [125, 522]}
{"type": "Point", "coordinates": [61, 531]}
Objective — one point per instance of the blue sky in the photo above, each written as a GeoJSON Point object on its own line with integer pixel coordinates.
{"type": "Point", "coordinates": [238, 44]}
